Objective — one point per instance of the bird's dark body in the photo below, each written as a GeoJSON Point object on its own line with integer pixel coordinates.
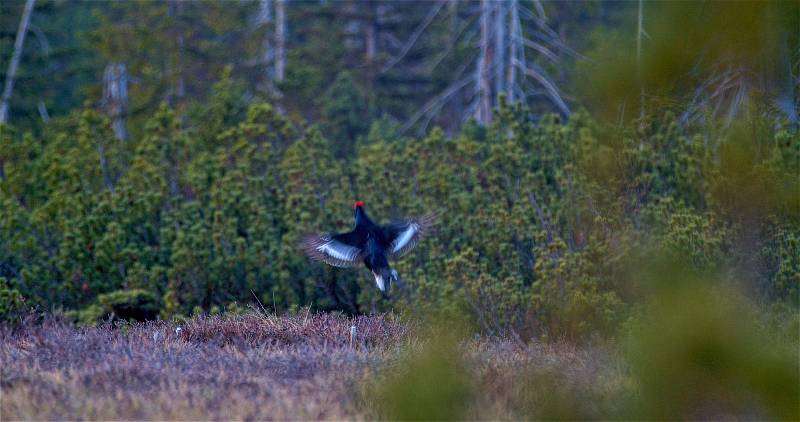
{"type": "Point", "coordinates": [370, 244]}
{"type": "Point", "coordinates": [376, 256]}
{"type": "Point", "coordinates": [372, 239]}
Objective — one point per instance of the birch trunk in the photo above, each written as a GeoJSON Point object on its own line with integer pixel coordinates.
{"type": "Point", "coordinates": [15, 58]}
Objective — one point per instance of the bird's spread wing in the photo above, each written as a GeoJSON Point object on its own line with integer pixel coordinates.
{"type": "Point", "coordinates": [404, 235]}
{"type": "Point", "coordinates": [339, 250]}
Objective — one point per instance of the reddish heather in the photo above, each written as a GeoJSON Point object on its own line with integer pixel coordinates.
{"type": "Point", "coordinates": [246, 367]}
{"type": "Point", "coordinates": [257, 367]}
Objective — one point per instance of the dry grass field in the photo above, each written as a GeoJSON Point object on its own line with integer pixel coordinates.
{"type": "Point", "coordinates": [256, 367]}
{"type": "Point", "coordinates": [307, 367]}
{"type": "Point", "coordinates": [248, 367]}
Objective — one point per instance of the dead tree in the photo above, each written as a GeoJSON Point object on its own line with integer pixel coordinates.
{"type": "Point", "coordinates": [514, 48]}
{"type": "Point", "coordinates": [115, 97]}
{"type": "Point", "coordinates": [371, 36]}
{"type": "Point", "coordinates": [280, 40]}
{"type": "Point", "coordinates": [177, 90]}
{"type": "Point", "coordinates": [485, 61]}
{"type": "Point", "coordinates": [371, 42]}
{"type": "Point", "coordinates": [515, 51]}
{"type": "Point", "coordinates": [15, 58]}
{"type": "Point", "coordinates": [639, 34]}
{"type": "Point", "coordinates": [266, 59]}
{"type": "Point", "coordinates": [543, 43]}
{"type": "Point", "coordinates": [501, 46]}
{"type": "Point", "coordinates": [502, 58]}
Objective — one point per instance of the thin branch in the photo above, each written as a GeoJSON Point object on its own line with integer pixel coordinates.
{"type": "Point", "coordinates": [541, 49]}
{"type": "Point", "coordinates": [537, 73]}
{"type": "Point", "coordinates": [458, 33]}
{"type": "Point", "coordinates": [15, 58]}
{"type": "Point", "coordinates": [414, 37]}
{"type": "Point", "coordinates": [539, 9]}
{"type": "Point", "coordinates": [443, 96]}
{"type": "Point", "coordinates": [41, 38]}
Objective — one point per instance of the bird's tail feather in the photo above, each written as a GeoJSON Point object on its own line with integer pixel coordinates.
{"type": "Point", "coordinates": [384, 279]}
{"type": "Point", "coordinates": [397, 280]}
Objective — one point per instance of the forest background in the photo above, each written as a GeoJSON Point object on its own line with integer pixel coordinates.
{"type": "Point", "coordinates": [161, 159]}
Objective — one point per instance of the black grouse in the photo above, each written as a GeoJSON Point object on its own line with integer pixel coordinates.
{"type": "Point", "coordinates": [371, 244]}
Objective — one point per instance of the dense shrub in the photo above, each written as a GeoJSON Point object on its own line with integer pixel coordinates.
{"type": "Point", "coordinates": [541, 221]}
{"type": "Point", "coordinates": [11, 302]}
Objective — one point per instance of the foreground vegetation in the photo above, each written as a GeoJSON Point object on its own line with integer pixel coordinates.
{"type": "Point", "coordinates": [252, 367]}
{"type": "Point", "coordinates": [259, 366]}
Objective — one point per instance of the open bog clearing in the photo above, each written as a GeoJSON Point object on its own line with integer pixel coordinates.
{"type": "Point", "coordinates": [240, 368]}
{"type": "Point", "coordinates": [257, 367]}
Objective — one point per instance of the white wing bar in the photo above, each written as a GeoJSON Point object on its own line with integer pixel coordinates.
{"type": "Point", "coordinates": [339, 250]}
{"type": "Point", "coordinates": [405, 237]}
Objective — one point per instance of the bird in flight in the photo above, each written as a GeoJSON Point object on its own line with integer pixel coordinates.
{"type": "Point", "coordinates": [370, 244]}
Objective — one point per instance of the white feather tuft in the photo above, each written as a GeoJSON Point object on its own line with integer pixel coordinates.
{"type": "Point", "coordinates": [380, 282]}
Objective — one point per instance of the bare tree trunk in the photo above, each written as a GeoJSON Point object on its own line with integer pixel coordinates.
{"type": "Point", "coordinates": [500, 39]}
{"type": "Point", "coordinates": [15, 58]}
{"type": "Point", "coordinates": [515, 38]}
{"type": "Point", "coordinates": [178, 85]}
{"type": "Point", "coordinates": [101, 151]}
{"type": "Point", "coordinates": [115, 97]}
{"type": "Point", "coordinates": [263, 20]}
{"type": "Point", "coordinates": [280, 39]}
{"type": "Point", "coordinates": [43, 111]}
{"type": "Point", "coordinates": [484, 112]}
{"type": "Point", "coordinates": [181, 91]}
{"type": "Point", "coordinates": [639, 33]}
{"type": "Point", "coordinates": [371, 42]}
{"type": "Point", "coordinates": [452, 7]}
{"type": "Point", "coordinates": [372, 32]}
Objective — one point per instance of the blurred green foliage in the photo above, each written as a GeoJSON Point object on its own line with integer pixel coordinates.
{"type": "Point", "coordinates": [722, 54]}
{"type": "Point", "coordinates": [710, 359]}
{"type": "Point", "coordinates": [697, 349]}
{"type": "Point", "coordinates": [433, 383]}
